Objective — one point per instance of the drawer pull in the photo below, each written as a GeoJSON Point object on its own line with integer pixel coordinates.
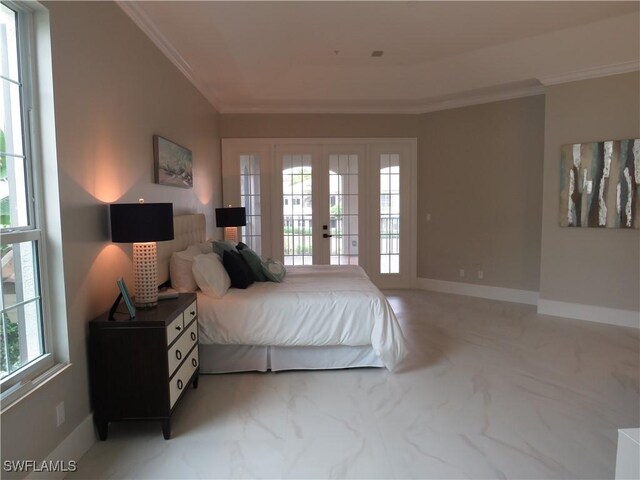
{"type": "Point", "coordinates": [194, 362]}
{"type": "Point", "coordinates": [193, 336]}
{"type": "Point", "coordinates": [180, 384]}
{"type": "Point", "coordinates": [178, 354]}
{"type": "Point", "coordinates": [178, 328]}
{"type": "Point", "coordinates": [192, 313]}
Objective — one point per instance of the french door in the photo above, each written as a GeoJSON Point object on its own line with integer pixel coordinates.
{"type": "Point", "coordinates": [327, 201]}
{"type": "Point", "coordinates": [319, 196]}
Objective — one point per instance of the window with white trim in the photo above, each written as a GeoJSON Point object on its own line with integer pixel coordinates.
{"type": "Point", "coordinates": [390, 213]}
{"type": "Point", "coordinates": [23, 328]}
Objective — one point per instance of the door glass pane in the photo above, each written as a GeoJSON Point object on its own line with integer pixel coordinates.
{"type": "Point", "coordinates": [390, 213]}
{"type": "Point", "coordinates": [250, 200]}
{"type": "Point", "coordinates": [297, 206]}
{"type": "Point", "coordinates": [343, 209]}
{"type": "Point", "coordinates": [20, 327]}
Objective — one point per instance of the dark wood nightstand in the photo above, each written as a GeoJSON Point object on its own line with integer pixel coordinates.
{"type": "Point", "coordinates": [141, 368]}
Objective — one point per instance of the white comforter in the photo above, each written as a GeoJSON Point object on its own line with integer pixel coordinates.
{"type": "Point", "coordinates": [313, 306]}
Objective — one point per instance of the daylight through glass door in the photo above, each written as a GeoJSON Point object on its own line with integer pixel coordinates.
{"type": "Point", "coordinates": [343, 209]}
{"type": "Point", "coordinates": [250, 200]}
{"type": "Point", "coordinates": [297, 209]}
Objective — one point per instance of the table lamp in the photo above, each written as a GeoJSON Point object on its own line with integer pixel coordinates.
{"type": "Point", "coordinates": [143, 224]}
{"type": "Point", "coordinates": [231, 218]}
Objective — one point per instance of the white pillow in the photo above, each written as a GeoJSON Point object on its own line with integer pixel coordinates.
{"type": "Point", "coordinates": [205, 247]}
{"type": "Point", "coordinates": [210, 275]}
{"type": "Point", "coordinates": [180, 269]}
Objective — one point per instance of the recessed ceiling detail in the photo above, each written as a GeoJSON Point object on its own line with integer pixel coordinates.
{"type": "Point", "coordinates": [272, 56]}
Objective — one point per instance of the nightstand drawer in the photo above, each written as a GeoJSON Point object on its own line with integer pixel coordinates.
{"type": "Point", "coordinates": [190, 313]}
{"type": "Point", "coordinates": [181, 378]}
{"type": "Point", "coordinates": [179, 349]}
{"type": "Point", "coordinates": [175, 328]}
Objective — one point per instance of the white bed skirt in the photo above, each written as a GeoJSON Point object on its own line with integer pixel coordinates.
{"type": "Point", "coordinates": [246, 358]}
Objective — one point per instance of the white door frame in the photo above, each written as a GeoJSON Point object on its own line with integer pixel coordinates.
{"type": "Point", "coordinates": [271, 176]}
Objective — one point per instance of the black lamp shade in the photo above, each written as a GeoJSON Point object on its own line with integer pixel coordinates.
{"type": "Point", "coordinates": [141, 222]}
{"type": "Point", "coordinates": [231, 217]}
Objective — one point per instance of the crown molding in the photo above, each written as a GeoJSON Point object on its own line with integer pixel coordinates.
{"type": "Point", "coordinates": [467, 101]}
{"type": "Point", "coordinates": [589, 73]}
{"type": "Point", "coordinates": [420, 107]}
{"type": "Point", "coordinates": [135, 13]}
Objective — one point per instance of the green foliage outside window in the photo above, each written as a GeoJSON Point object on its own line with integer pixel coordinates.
{"type": "Point", "coordinates": [10, 345]}
{"type": "Point", "coordinates": [5, 219]}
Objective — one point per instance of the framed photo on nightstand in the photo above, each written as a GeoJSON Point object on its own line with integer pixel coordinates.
{"type": "Point", "coordinates": [127, 298]}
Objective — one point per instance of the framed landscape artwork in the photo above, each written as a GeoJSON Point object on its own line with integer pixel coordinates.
{"type": "Point", "coordinates": [600, 184]}
{"type": "Point", "coordinates": [173, 164]}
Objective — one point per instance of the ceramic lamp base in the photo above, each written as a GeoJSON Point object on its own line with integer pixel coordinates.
{"type": "Point", "coordinates": [231, 234]}
{"type": "Point", "coordinates": [145, 274]}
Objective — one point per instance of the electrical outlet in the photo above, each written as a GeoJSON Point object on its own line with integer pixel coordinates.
{"type": "Point", "coordinates": [428, 217]}
{"type": "Point", "coordinates": [462, 273]}
{"type": "Point", "coordinates": [480, 274]}
{"type": "Point", "coordinates": [60, 414]}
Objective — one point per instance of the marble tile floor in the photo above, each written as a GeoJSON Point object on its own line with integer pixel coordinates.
{"type": "Point", "coordinates": [490, 390]}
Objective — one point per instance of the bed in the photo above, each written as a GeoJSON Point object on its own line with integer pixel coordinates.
{"type": "Point", "coordinates": [319, 317]}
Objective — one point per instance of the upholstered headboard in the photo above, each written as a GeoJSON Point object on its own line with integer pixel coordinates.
{"type": "Point", "coordinates": [187, 230]}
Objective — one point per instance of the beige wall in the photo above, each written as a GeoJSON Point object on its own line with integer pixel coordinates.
{"type": "Point", "coordinates": [480, 178]}
{"type": "Point", "coordinates": [317, 125]}
{"type": "Point", "coordinates": [588, 265]}
{"type": "Point", "coordinates": [113, 90]}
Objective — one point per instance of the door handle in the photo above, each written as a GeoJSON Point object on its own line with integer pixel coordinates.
{"type": "Point", "coordinates": [326, 235]}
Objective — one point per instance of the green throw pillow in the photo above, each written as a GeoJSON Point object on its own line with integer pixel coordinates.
{"type": "Point", "coordinates": [239, 272]}
{"type": "Point", "coordinates": [255, 262]}
{"type": "Point", "coordinates": [274, 270]}
{"type": "Point", "coordinates": [221, 246]}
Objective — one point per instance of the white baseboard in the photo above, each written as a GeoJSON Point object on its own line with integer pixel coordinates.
{"type": "Point", "coordinates": [591, 313]}
{"type": "Point", "coordinates": [483, 291]}
{"type": "Point", "coordinates": [72, 448]}
{"type": "Point", "coordinates": [628, 456]}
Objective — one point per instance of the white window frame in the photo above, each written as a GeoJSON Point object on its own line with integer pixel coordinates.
{"type": "Point", "coordinates": [13, 385]}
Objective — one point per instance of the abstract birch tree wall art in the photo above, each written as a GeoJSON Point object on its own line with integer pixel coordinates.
{"type": "Point", "coordinates": [600, 184]}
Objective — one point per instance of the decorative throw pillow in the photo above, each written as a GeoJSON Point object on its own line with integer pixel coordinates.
{"type": "Point", "coordinates": [210, 275]}
{"type": "Point", "coordinates": [205, 247]}
{"type": "Point", "coordinates": [254, 261]}
{"type": "Point", "coordinates": [180, 272]}
{"type": "Point", "coordinates": [274, 270]}
{"type": "Point", "coordinates": [239, 271]}
{"type": "Point", "coordinates": [221, 246]}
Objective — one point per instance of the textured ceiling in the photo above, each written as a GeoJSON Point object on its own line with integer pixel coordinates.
{"type": "Point", "coordinates": [316, 56]}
